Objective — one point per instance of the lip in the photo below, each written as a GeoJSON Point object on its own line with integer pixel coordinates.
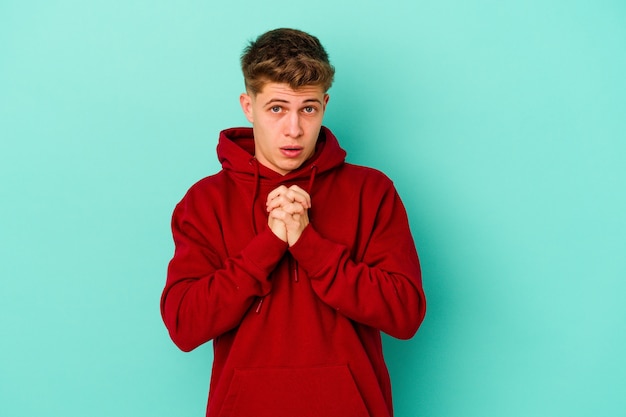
{"type": "Point", "coordinates": [291, 151]}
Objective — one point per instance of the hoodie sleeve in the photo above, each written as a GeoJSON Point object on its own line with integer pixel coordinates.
{"type": "Point", "coordinates": [384, 289]}
{"type": "Point", "coordinates": [207, 293]}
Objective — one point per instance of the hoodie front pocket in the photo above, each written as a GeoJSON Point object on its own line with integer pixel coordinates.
{"type": "Point", "coordinates": [328, 391]}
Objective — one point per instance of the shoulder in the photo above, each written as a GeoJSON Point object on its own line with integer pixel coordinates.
{"type": "Point", "coordinates": [208, 184]}
{"type": "Point", "coordinates": [366, 175]}
{"type": "Point", "coordinates": [205, 191]}
{"type": "Point", "coordinates": [362, 183]}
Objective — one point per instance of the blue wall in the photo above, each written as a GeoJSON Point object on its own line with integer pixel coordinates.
{"type": "Point", "coordinates": [502, 123]}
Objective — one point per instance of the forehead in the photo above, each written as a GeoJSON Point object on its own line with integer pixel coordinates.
{"type": "Point", "coordinates": [285, 92]}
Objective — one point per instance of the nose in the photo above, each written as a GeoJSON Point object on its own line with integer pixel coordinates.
{"type": "Point", "coordinates": [293, 127]}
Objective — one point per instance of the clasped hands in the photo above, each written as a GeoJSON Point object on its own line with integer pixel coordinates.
{"type": "Point", "coordinates": [288, 212]}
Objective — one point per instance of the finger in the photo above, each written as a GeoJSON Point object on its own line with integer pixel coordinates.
{"type": "Point", "coordinates": [278, 201]}
{"type": "Point", "coordinates": [288, 219]}
{"type": "Point", "coordinates": [279, 214]}
{"type": "Point", "coordinates": [293, 208]}
{"type": "Point", "coordinates": [277, 198]}
{"type": "Point", "coordinates": [298, 194]}
{"type": "Point", "coordinates": [278, 191]}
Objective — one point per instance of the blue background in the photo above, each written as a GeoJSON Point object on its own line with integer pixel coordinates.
{"type": "Point", "coordinates": [502, 124]}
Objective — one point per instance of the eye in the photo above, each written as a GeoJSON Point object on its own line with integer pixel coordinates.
{"type": "Point", "coordinates": [309, 109]}
{"type": "Point", "coordinates": [276, 109]}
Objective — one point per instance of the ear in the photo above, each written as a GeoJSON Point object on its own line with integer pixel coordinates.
{"type": "Point", "coordinates": [246, 105]}
{"type": "Point", "coordinates": [326, 98]}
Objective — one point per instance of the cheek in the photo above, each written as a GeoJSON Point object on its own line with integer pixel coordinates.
{"type": "Point", "coordinates": [268, 122]}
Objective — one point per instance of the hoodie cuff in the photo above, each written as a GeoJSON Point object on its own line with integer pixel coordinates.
{"type": "Point", "coordinates": [263, 254]}
{"type": "Point", "coordinates": [312, 251]}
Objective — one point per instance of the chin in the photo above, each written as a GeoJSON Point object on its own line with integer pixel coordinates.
{"type": "Point", "coordinates": [291, 167]}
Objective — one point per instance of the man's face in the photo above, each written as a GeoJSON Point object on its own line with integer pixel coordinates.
{"type": "Point", "coordinates": [286, 124]}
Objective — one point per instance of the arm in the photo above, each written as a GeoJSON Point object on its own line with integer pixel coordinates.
{"type": "Point", "coordinates": [207, 293]}
{"type": "Point", "coordinates": [384, 289]}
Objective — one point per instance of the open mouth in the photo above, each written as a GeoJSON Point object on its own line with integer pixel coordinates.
{"type": "Point", "coordinates": [291, 151]}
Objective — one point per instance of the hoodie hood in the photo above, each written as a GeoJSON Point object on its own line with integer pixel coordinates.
{"type": "Point", "coordinates": [235, 151]}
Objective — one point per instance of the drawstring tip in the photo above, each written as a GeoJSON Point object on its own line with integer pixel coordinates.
{"type": "Point", "coordinates": [258, 307]}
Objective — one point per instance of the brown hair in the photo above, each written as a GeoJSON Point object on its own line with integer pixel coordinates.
{"type": "Point", "coordinates": [286, 56]}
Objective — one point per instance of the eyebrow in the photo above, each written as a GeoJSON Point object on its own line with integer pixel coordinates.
{"type": "Point", "coordinates": [279, 100]}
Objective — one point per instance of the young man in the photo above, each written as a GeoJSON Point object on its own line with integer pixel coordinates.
{"type": "Point", "coordinates": [290, 259]}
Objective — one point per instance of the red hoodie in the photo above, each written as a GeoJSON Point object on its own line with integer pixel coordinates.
{"type": "Point", "coordinates": [296, 331]}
